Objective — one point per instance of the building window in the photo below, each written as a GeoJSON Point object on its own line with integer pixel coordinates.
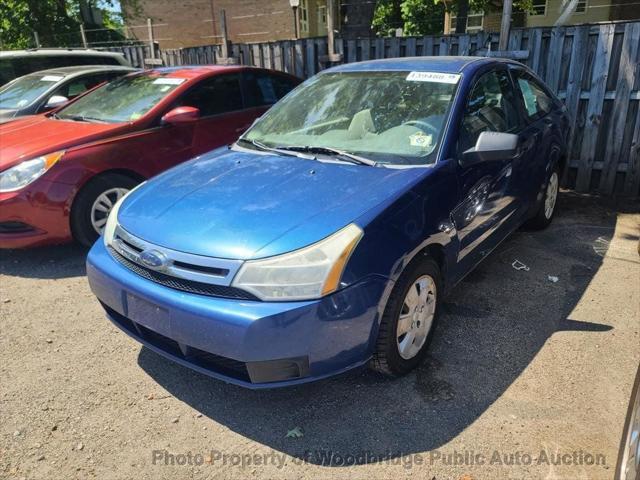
{"type": "Point", "coordinates": [581, 7]}
{"type": "Point", "coordinates": [322, 20]}
{"type": "Point", "coordinates": [538, 8]}
{"type": "Point", "coordinates": [475, 22]}
{"type": "Point", "coordinates": [304, 16]}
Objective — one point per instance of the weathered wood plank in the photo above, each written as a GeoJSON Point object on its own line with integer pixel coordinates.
{"type": "Point", "coordinates": [278, 62]}
{"type": "Point", "coordinates": [379, 47]}
{"type": "Point", "coordinates": [394, 47]}
{"type": "Point", "coordinates": [553, 61]}
{"type": "Point", "coordinates": [535, 47]}
{"type": "Point", "coordinates": [574, 84]}
{"type": "Point", "coordinates": [298, 61]}
{"type": "Point", "coordinates": [515, 39]}
{"type": "Point", "coordinates": [427, 48]}
{"type": "Point", "coordinates": [626, 79]}
{"type": "Point", "coordinates": [464, 44]}
{"type": "Point", "coordinates": [352, 51]}
{"type": "Point", "coordinates": [632, 179]}
{"type": "Point", "coordinates": [594, 108]}
{"type": "Point", "coordinates": [257, 55]}
{"type": "Point", "coordinates": [410, 49]}
{"type": "Point", "coordinates": [445, 43]}
{"type": "Point", "coordinates": [365, 48]}
{"type": "Point", "coordinates": [311, 59]}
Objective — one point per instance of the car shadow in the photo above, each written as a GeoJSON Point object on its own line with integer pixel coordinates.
{"type": "Point", "coordinates": [53, 262]}
{"type": "Point", "coordinates": [492, 325]}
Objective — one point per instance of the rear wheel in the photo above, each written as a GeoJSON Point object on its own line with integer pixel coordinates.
{"type": "Point", "coordinates": [409, 319]}
{"type": "Point", "coordinates": [93, 204]}
{"type": "Point", "coordinates": [547, 208]}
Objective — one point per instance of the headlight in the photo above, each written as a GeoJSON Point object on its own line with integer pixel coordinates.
{"type": "Point", "coordinates": [308, 273]}
{"type": "Point", "coordinates": [112, 219]}
{"type": "Point", "coordinates": [24, 173]}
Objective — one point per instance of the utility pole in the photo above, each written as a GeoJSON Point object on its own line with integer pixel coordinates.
{"type": "Point", "coordinates": [225, 40]}
{"type": "Point", "coordinates": [83, 36]}
{"type": "Point", "coordinates": [295, 4]}
{"type": "Point", "coordinates": [333, 56]}
{"type": "Point", "coordinates": [152, 47]}
{"type": "Point", "coordinates": [505, 25]}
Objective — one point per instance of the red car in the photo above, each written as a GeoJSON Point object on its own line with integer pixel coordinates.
{"type": "Point", "coordinates": [61, 172]}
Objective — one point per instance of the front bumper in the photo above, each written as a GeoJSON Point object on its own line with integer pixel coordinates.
{"type": "Point", "coordinates": [36, 215]}
{"type": "Point", "coordinates": [250, 343]}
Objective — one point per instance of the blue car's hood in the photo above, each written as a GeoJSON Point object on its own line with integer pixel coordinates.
{"type": "Point", "coordinates": [241, 205]}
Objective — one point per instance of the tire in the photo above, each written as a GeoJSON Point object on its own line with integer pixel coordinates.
{"type": "Point", "coordinates": [628, 465]}
{"type": "Point", "coordinates": [548, 205]}
{"type": "Point", "coordinates": [395, 354]}
{"type": "Point", "coordinates": [114, 185]}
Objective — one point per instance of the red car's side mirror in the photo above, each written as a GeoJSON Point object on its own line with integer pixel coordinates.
{"type": "Point", "coordinates": [181, 115]}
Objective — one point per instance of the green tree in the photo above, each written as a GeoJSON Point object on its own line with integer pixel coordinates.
{"type": "Point", "coordinates": [57, 22]}
{"type": "Point", "coordinates": [426, 17]}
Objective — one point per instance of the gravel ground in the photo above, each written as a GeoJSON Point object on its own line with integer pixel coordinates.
{"type": "Point", "coordinates": [521, 369]}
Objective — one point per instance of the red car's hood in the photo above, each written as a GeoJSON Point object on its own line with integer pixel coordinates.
{"type": "Point", "coordinates": [38, 135]}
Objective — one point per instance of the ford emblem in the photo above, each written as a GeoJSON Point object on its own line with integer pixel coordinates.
{"type": "Point", "coordinates": [154, 259]}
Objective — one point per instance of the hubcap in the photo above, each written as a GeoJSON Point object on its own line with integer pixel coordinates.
{"type": "Point", "coordinates": [416, 317]}
{"type": "Point", "coordinates": [103, 205]}
{"type": "Point", "coordinates": [551, 195]}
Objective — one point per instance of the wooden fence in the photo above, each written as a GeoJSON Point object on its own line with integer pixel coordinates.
{"type": "Point", "coordinates": [595, 69]}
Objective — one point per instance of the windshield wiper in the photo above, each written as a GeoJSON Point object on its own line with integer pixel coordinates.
{"type": "Point", "coordinates": [330, 151]}
{"type": "Point", "coordinates": [80, 118]}
{"type": "Point", "coordinates": [262, 146]}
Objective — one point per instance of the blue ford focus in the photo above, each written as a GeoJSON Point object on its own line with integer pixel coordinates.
{"type": "Point", "coordinates": [327, 236]}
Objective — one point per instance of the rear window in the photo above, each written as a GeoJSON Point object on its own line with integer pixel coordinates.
{"type": "Point", "coordinates": [14, 67]}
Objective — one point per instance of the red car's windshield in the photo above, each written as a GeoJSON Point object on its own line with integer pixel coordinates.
{"type": "Point", "coordinates": [123, 100]}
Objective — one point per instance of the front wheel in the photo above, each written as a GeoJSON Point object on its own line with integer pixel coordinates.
{"type": "Point", "coordinates": [93, 204]}
{"type": "Point", "coordinates": [409, 319]}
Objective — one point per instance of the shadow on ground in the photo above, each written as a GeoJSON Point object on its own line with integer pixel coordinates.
{"type": "Point", "coordinates": [493, 325]}
{"type": "Point", "coordinates": [54, 262]}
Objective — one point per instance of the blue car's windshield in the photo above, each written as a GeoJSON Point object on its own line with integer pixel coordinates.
{"type": "Point", "coordinates": [24, 90]}
{"type": "Point", "coordinates": [390, 117]}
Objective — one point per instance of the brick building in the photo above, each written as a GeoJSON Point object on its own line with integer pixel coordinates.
{"type": "Point", "coordinates": [186, 23]}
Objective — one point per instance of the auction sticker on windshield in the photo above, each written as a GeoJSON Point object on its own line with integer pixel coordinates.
{"type": "Point", "coordinates": [51, 78]}
{"type": "Point", "coordinates": [169, 81]}
{"type": "Point", "coordinates": [436, 77]}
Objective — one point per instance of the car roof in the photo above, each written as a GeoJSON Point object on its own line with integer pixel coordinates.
{"type": "Point", "coordinates": [83, 70]}
{"type": "Point", "coordinates": [194, 71]}
{"type": "Point", "coordinates": [57, 52]}
{"type": "Point", "coordinates": [442, 64]}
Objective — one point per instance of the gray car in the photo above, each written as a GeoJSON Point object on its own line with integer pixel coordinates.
{"type": "Point", "coordinates": [42, 91]}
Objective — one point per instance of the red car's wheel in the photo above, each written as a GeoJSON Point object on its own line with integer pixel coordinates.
{"type": "Point", "coordinates": [93, 204]}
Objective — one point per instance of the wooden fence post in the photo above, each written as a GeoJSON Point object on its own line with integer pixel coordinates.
{"type": "Point", "coordinates": [627, 71]}
{"type": "Point", "coordinates": [594, 108]}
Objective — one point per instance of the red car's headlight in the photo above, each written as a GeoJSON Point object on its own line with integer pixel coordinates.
{"type": "Point", "coordinates": [21, 175]}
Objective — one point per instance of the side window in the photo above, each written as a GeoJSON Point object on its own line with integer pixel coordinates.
{"type": "Point", "coordinates": [536, 101]}
{"type": "Point", "coordinates": [216, 95]}
{"type": "Point", "coordinates": [490, 107]}
{"type": "Point", "coordinates": [79, 85]}
{"type": "Point", "coordinates": [265, 89]}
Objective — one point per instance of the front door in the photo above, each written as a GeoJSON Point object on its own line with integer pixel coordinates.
{"type": "Point", "coordinates": [489, 198]}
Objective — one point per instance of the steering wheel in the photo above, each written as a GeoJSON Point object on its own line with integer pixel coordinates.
{"type": "Point", "coordinates": [422, 125]}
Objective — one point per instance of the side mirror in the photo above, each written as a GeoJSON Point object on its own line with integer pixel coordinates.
{"type": "Point", "coordinates": [55, 101]}
{"type": "Point", "coordinates": [491, 146]}
{"type": "Point", "coordinates": [181, 115]}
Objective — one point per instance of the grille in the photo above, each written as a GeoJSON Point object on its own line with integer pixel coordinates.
{"type": "Point", "coordinates": [208, 361]}
{"type": "Point", "coordinates": [189, 286]}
